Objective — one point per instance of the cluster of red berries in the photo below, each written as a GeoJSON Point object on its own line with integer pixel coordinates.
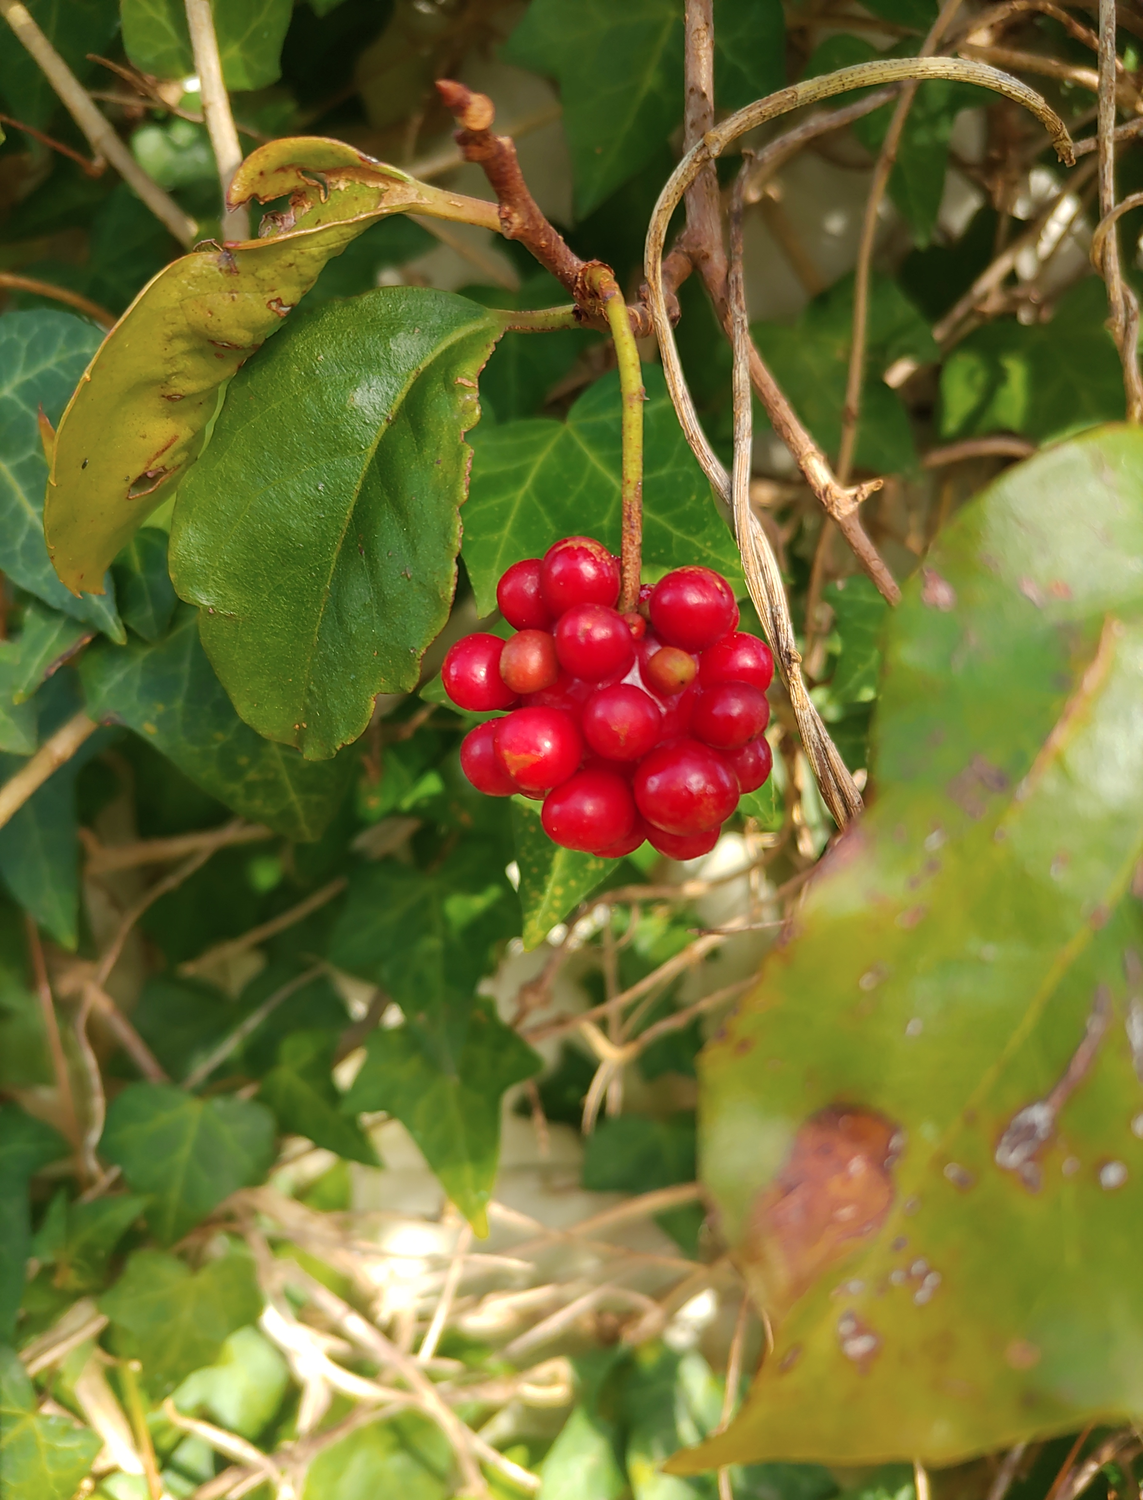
{"type": "Point", "coordinates": [645, 725]}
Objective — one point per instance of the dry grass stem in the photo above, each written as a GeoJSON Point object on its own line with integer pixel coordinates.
{"type": "Point", "coordinates": [55, 752]}
{"type": "Point", "coordinates": [221, 953]}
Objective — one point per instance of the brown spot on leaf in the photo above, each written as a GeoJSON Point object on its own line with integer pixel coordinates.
{"type": "Point", "coordinates": [975, 784]}
{"type": "Point", "coordinates": [1021, 1355]}
{"type": "Point", "coordinates": [833, 1192]}
{"type": "Point", "coordinates": [937, 592]}
{"type": "Point", "coordinates": [1032, 590]}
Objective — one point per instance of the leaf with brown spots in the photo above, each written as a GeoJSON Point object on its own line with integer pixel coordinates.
{"type": "Point", "coordinates": [924, 1129]}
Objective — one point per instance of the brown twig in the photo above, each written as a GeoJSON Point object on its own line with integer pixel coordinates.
{"type": "Point", "coordinates": [999, 446]}
{"type": "Point", "coordinates": [103, 859]}
{"type": "Point", "coordinates": [88, 168]}
{"type": "Point", "coordinates": [1121, 299]}
{"type": "Point", "coordinates": [52, 1033]}
{"type": "Point", "coordinates": [33, 284]}
{"type": "Point", "coordinates": [222, 952]}
{"type": "Point", "coordinates": [52, 754]}
{"type": "Point", "coordinates": [1006, 1473]}
{"type": "Point", "coordinates": [128, 1038]}
{"type": "Point", "coordinates": [1051, 67]}
{"type": "Point", "coordinates": [216, 112]}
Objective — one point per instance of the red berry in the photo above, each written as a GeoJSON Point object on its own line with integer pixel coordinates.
{"type": "Point", "coordinates": [751, 764]}
{"type": "Point", "coordinates": [622, 722]}
{"type": "Point", "coordinates": [669, 670]}
{"type": "Point", "coordinates": [729, 714]}
{"type": "Point", "coordinates": [591, 811]}
{"type": "Point", "coordinates": [471, 674]}
{"type": "Point", "coordinates": [593, 642]}
{"type": "Point", "coordinates": [578, 570]}
{"type": "Point", "coordinates": [693, 608]}
{"type": "Point", "coordinates": [479, 762]}
{"type": "Point", "coordinates": [567, 692]}
{"type": "Point", "coordinates": [685, 845]}
{"type": "Point", "coordinates": [628, 845]}
{"type": "Point", "coordinates": [538, 747]}
{"type": "Point", "coordinates": [685, 787]}
{"type": "Point", "coordinates": [636, 624]}
{"type": "Point", "coordinates": [528, 662]}
{"type": "Point", "coordinates": [518, 595]}
{"type": "Point", "coordinates": [737, 658]}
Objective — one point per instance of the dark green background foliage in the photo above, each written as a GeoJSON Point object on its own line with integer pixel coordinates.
{"type": "Point", "coordinates": [328, 931]}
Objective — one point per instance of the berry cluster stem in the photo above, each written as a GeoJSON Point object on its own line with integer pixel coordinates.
{"type": "Point", "coordinates": [633, 395]}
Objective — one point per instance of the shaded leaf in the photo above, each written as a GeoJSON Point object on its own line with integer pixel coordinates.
{"type": "Point", "coordinates": [42, 356]}
{"type": "Point", "coordinates": [41, 1458]}
{"type": "Point", "coordinates": [88, 1234]}
{"type": "Point", "coordinates": [671, 1400]}
{"type": "Point", "coordinates": [322, 547]}
{"type": "Point", "coordinates": [175, 1320]}
{"type": "Point", "coordinates": [47, 640]}
{"type": "Point", "coordinates": [39, 853]}
{"type": "Point", "coordinates": [581, 1463]}
{"type": "Point", "coordinates": [243, 1389]}
{"type": "Point", "coordinates": [143, 586]}
{"type": "Point", "coordinates": [74, 28]}
{"type": "Point", "coordinates": [537, 480]}
{"type": "Point", "coordinates": [17, 720]}
{"type": "Point", "coordinates": [525, 366]}
{"type": "Point", "coordinates": [26, 1145]}
{"type": "Point", "coordinates": [964, 981]}
{"type": "Point", "coordinates": [169, 694]}
{"type": "Point", "coordinates": [766, 804]}
{"type": "Point", "coordinates": [301, 1093]}
{"type": "Point", "coordinates": [453, 1114]}
{"type": "Point", "coordinates": [637, 1154]}
{"type": "Point", "coordinates": [859, 617]}
{"type": "Point", "coordinates": [156, 379]}
{"type": "Point", "coordinates": [182, 1020]}
{"type": "Point", "coordinates": [407, 1456]}
{"type": "Point", "coordinates": [186, 1154]}
{"type": "Point", "coordinates": [250, 36]}
{"type": "Point", "coordinates": [391, 242]}
{"type": "Point", "coordinates": [552, 880]}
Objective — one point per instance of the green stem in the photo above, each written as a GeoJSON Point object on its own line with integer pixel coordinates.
{"type": "Point", "coordinates": [129, 1377]}
{"type": "Point", "coordinates": [540, 320]}
{"type": "Point", "coordinates": [633, 395]}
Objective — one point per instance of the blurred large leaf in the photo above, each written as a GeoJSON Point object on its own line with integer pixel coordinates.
{"type": "Point", "coordinates": [319, 531]}
{"type": "Point", "coordinates": [74, 28]}
{"type": "Point", "coordinates": [581, 1463]}
{"type": "Point", "coordinates": [301, 1093]}
{"type": "Point", "coordinates": [552, 880]}
{"type": "Point", "coordinates": [250, 36]}
{"type": "Point", "coordinates": [946, 1056]}
{"type": "Point", "coordinates": [186, 1154]}
{"type": "Point", "coordinates": [41, 1458]}
{"type": "Point", "coordinates": [1042, 379]}
{"type": "Point", "coordinates": [243, 1389]}
{"type": "Point", "coordinates": [538, 480]}
{"type": "Point", "coordinates": [407, 1457]}
{"type": "Point", "coordinates": [175, 1320]}
{"type": "Point", "coordinates": [78, 1238]}
{"type": "Point", "coordinates": [139, 418]}
{"type": "Point", "coordinates": [42, 355]}
{"type": "Point", "coordinates": [26, 1145]}
{"type": "Point", "coordinates": [620, 71]}
{"type": "Point", "coordinates": [169, 694]}
{"type": "Point", "coordinates": [453, 1112]}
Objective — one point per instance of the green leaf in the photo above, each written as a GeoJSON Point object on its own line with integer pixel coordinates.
{"type": "Point", "coordinates": [454, 1114]}
{"type": "Point", "coordinates": [964, 977]}
{"type": "Point", "coordinates": [182, 1020]}
{"type": "Point", "coordinates": [552, 880]}
{"type": "Point", "coordinates": [243, 1390]}
{"type": "Point", "coordinates": [39, 860]}
{"type": "Point", "coordinates": [169, 694]}
{"type": "Point", "coordinates": [74, 28]}
{"type": "Point", "coordinates": [636, 1154]}
{"type": "Point", "coordinates": [156, 379]}
{"type": "Point", "coordinates": [859, 618]}
{"type": "Point", "coordinates": [301, 1093]}
{"type": "Point", "coordinates": [128, 246]}
{"type": "Point", "coordinates": [407, 1457]}
{"type": "Point", "coordinates": [147, 599]}
{"type": "Point", "coordinates": [581, 1463]}
{"type": "Point", "coordinates": [26, 1145]}
{"type": "Point", "coordinates": [47, 640]}
{"type": "Point", "coordinates": [41, 1458]}
{"type": "Point", "coordinates": [620, 72]}
{"type": "Point", "coordinates": [392, 242]}
{"type": "Point", "coordinates": [1041, 379]}
{"type": "Point", "coordinates": [187, 1154]}
{"type": "Point", "coordinates": [538, 480]}
{"type": "Point", "coordinates": [672, 1400]}
{"type": "Point", "coordinates": [525, 366]}
{"type": "Point", "coordinates": [322, 546]}
{"type": "Point", "coordinates": [24, 1060]}
{"type": "Point", "coordinates": [175, 1320]}
{"type": "Point", "coordinates": [766, 804]}
{"type": "Point", "coordinates": [90, 1232]}
{"type": "Point", "coordinates": [42, 355]}
{"type": "Point", "coordinates": [17, 719]}
{"type": "Point", "coordinates": [250, 36]}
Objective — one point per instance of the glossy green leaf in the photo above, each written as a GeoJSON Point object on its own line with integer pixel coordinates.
{"type": "Point", "coordinates": [453, 1114]}
{"type": "Point", "coordinates": [552, 880]}
{"type": "Point", "coordinates": [74, 28]}
{"type": "Point", "coordinates": [964, 986]}
{"type": "Point", "coordinates": [319, 531]}
{"type": "Point", "coordinates": [169, 694]}
{"type": "Point", "coordinates": [301, 1093]}
{"type": "Point", "coordinates": [1041, 379]}
{"type": "Point", "coordinates": [243, 1389]}
{"type": "Point", "coordinates": [186, 1154]}
{"type": "Point", "coordinates": [620, 72]}
{"type": "Point", "coordinates": [250, 36]}
{"type": "Point", "coordinates": [408, 1456]}
{"type": "Point", "coordinates": [182, 1021]}
{"type": "Point", "coordinates": [157, 377]}
{"type": "Point", "coordinates": [536, 481]}
{"type": "Point", "coordinates": [143, 585]}
{"type": "Point", "coordinates": [26, 1145]}
{"type": "Point", "coordinates": [175, 1320]}
{"type": "Point", "coordinates": [41, 1458]}
{"type": "Point", "coordinates": [42, 355]}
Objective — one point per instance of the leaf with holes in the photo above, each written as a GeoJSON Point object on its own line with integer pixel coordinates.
{"type": "Point", "coordinates": [319, 531]}
{"type": "Point", "coordinates": [945, 1054]}
{"type": "Point", "coordinates": [139, 417]}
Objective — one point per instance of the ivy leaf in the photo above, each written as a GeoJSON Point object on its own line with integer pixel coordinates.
{"type": "Point", "coordinates": [859, 617]}
{"type": "Point", "coordinates": [47, 640]}
{"type": "Point", "coordinates": [581, 1464]}
{"type": "Point", "coordinates": [525, 366]}
{"type": "Point", "coordinates": [74, 28]}
{"type": "Point", "coordinates": [552, 880]}
{"type": "Point", "coordinates": [90, 1232]}
{"type": "Point", "coordinates": [636, 1154]}
{"type": "Point", "coordinates": [323, 549]}
{"type": "Point", "coordinates": [143, 585]}
{"type": "Point", "coordinates": [168, 694]}
{"type": "Point", "coordinates": [301, 1093]}
{"type": "Point", "coordinates": [454, 1114]}
{"type": "Point", "coordinates": [175, 1320]}
{"type": "Point", "coordinates": [42, 356]}
{"type": "Point", "coordinates": [17, 718]}
{"type": "Point", "coordinates": [26, 1145]}
{"type": "Point", "coordinates": [250, 36]}
{"type": "Point", "coordinates": [186, 1154]}
{"type": "Point", "coordinates": [1041, 379]}
{"type": "Point", "coordinates": [965, 979]}
{"type": "Point", "coordinates": [538, 480]}
{"type": "Point", "coordinates": [39, 861]}
{"type": "Point", "coordinates": [243, 1389]}
{"type": "Point", "coordinates": [41, 1458]}
{"type": "Point", "coordinates": [408, 1456]}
